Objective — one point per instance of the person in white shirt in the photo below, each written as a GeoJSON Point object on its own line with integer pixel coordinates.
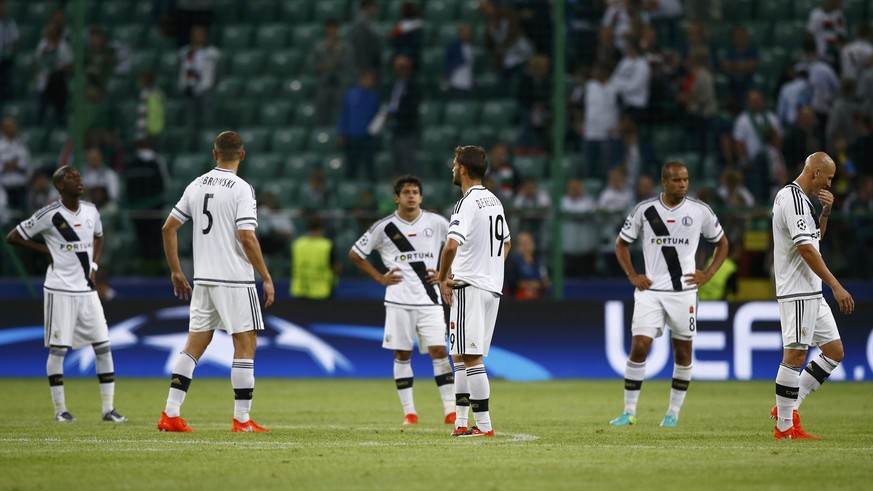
{"type": "Point", "coordinates": [632, 77]}
{"type": "Point", "coordinates": [622, 17]}
{"type": "Point", "coordinates": [670, 227]}
{"type": "Point", "coordinates": [222, 209]}
{"type": "Point", "coordinates": [793, 94]}
{"type": "Point", "coordinates": [409, 242]}
{"type": "Point", "coordinates": [827, 24]}
{"type": "Point", "coordinates": [74, 318]}
{"type": "Point", "coordinates": [198, 71]}
{"type": "Point", "coordinates": [53, 59]}
{"type": "Point", "coordinates": [855, 56]}
{"type": "Point", "coordinates": [581, 230]}
{"type": "Point", "coordinates": [459, 62]}
{"type": "Point", "coordinates": [15, 171]}
{"type": "Point", "coordinates": [749, 128]}
{"type": "Point", "coordinates": [101, 182]}
{"type": "Point", "coordinates": [8, 45]}
{"type": "Point", "coordinates": [471, 281]}
{"type": "Point", "coordinates": [799, 271]}
{"type": "Point", "coordinates": [601, 144]}
{"type": "Point", "coordinates": [822, 78]}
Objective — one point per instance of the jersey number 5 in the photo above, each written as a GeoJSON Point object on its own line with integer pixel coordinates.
{"type": "Point", "coordinates": [496, 231]}
{"type": "Point", "coordinates": [207, 213]}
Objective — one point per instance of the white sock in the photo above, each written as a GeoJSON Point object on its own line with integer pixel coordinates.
{"type": "Point", "coordinates": [183, 372]}
{"type": "Point", "coordinates": [54, 368]}
{"type": "Point", "coordinates": [681, 379]}
{"type": "Point", "coordinates": [462, 396]}
{"type": "Point", "coordinates": [787, 387]}
{"type": "Point", "coordinates": [480, 393]}
{"type": "Point", "coordinates": [242, 377]}
{"type": "Point", "coordinates": [634, 374]}
{"type": "Point", "coordinates": [815, 374]}
{"type": "Point", "coordinates": [105, 374]}
{"type": "Point", "coordinates": [403, 378]}
{"type": "Point", "coordinates": [442, 374]}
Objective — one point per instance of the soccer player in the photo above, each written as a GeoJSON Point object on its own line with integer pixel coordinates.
{"type": "Point", "coordinates": [409, 242]}
{"type": "Point", "coordinates": [666, 295]}
{"type": "Point", "coordinates": [477, 246]}
{"type": "Point", "coordinates": [806, 318]}
{"type": "Point", "coordinates": [223, 212]}
{"type": "Point", "coordinates": [73, 235]}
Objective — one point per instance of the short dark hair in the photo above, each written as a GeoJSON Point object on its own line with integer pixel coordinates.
{"type": "Point", "coordinates": [60, 174]}
{"type": "Point", "coordinates": [229, 146]}
{"type": "Point", "coordinates": [404, 180]}
{"type": "Point", "coordinates": [474, 159]}
{"type": "Point", "coordinates": [667, 169]}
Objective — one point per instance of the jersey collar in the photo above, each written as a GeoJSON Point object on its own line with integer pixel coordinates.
{"type": "Point", "coordinates": [661, 200]}
{"type": "Point", "coordinates": [223, 170]}
{"type": "Point", "coordinates": [420, 214]}
{"type": "Point", "coordinates": [71, 211]}
{"type": "Point", "coordinates": [473, 187]}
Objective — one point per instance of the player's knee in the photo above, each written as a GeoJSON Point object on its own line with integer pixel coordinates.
{"type": "Point", "coordinates": [400, 355]}
{"type": "Point", "coordinates": [834, 353]}
{"type": "Point", "coordinates": [437, 352]}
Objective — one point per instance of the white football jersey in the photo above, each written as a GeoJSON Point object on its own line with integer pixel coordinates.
{"type": "Point", "coordinates": [670, 238]}
{"type": "Point", "coordinates": [479, 226]}
{"type": "Point", "coordinates": [69, 237]}
{"type": "Point", "coordinates": [794, 223]}
{"type": "Point", "coordinates": [219, 203]}
{"type": "Point", "coordinates": [413, 247]}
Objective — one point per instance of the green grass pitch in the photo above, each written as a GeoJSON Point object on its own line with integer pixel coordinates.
{"type": "Point", "coordinates": [346, 434]}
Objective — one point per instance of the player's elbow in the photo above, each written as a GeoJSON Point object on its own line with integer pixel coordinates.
{"type": "Point", "coordinates": [13, 237]}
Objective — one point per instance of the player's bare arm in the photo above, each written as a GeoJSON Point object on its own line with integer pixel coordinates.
{"type": "Point", "coordinates": [815, 262]}
{"type": "Point", "coordinates": [99, 242]}
{"type": "Point", "coordinates": [450, 250]}
{"type": "Point", "coordinates": [391, 277]}
{"type": "Point", "coordinates": [181, 288]}
{"type": "Point", "coordinates": [699, 278]}
{"type": "Point", "coordinates": [14, 238]}
{"type": "Point", "coordinates": [506, 247]}
{"type": "Point", "coordinates": [252, 248]}
{"type": "Point", "coordinates": [826, 198]}
{"type": "Point", "coordinates": [622, 254]}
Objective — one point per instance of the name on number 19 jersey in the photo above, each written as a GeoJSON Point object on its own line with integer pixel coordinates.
{"type": "Point", "coordinates": [219, 203]}
{"type": "Point", "coordinates": [794, 223]}
{"type": "Point", "coordinates": [412, 247]}
{"type": "Point", "coordinates": [69, 236]}
{"type": "Point", "coordinates": [479, 226]}
{"type": "Point", "coordinates": [670, 238]}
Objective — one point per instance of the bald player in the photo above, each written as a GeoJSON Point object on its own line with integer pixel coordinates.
{"type": "Point", "coordinates": [806, 318]}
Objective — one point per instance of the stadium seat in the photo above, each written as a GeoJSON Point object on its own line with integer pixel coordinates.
{"type": "Point", "coordinates": [131, 35]}
{"type": "Point", "coordinates": [234, 113]}
{"type": "Point", "coordinates": [348, 193]}
{"type": "Point", "coordinates": [262, 88]}
{"type": "Point", "coordinates": [440, 35]}
{"type": "Point", "coordinates": [142, 60]}
{"type": "Point", "coordinates": [21, 111]}
{"type": "Point", "coordinates": [438, 140]}
{"type": "Point", "coordinates": [175, 140]}
{"type": "Point", "coordinates": [497, 113]}
{"type": "Point", "coordinates": [264, 166]}
{"type": "Point", "coordinates": [300, 165]}
{"type": "Point", "coordinates": [531, 165]}
{"type": "Point", "coordinates": [236, 36]}
{"type": "Point", "coordinates": [174, 112]}
{"type": "Point", "coordinates": [469, 11]}
{"type": "Point", "coordinates": [186, 166]}
{"type": "Point", "coordinates": [248, 63]}
{"type": "Point", "coordinates": [304, 115]}
{"type": "Point", "coordinates": [295, 12]}
{"type": "Point", "coordinates": [737, 11]}
{"type": "Point", "coordinates": [856, 10]}
{"type": "Point", "coordinates": [802, 8]}
{"type": "Point", "coordinates": [296, 89]}
{"type": "Point", "coordinates": [228, 88]}
{"type": "Point", "coordinates": [304, 36]}
{"type": "Point", "coordinates": [34, 136]}
{"type": "Point", "coordinates": [113, 12]}
{"type": "Point", "coordinates": [439, 11]}
{"type": "Point", "coordinates": [284, 189]}
{"type": "Point", "coordinates": [487, 84]}
{"type": "Point", "coordinates": [774, 10]}
{"type": "Point", "coordinates": [285, 62]}
{"type": "Point", "coordinates": [331, 9]}
{"type": "Point", "coordinates": [260, 11]}
{"type": "Point", "coordinates": [593, 186]}
{"type": "Point", "coordinates": [334, 167]}
{"type": "Point", "coordinates": [322, 141]}
{"type": "Point", "coordinates": [155, 39]}
{"type": "Point", "coordinates": [789, 35]}
{"type": "Point", "coordinates": [271, 37]}
{"type": "Point", "coordinates": [275, 114]}
{"type": "Point", "coordinates": [288, 140]}
{"type": "Point", "coordinates": [430, 113]}
{"type": "Point", "coordinates": [168, 65]}
{"type": "Point", "coordinates": [668, 140]}
{"type": "Point", "coordinates": [226, 12]}
{"type": "Point", "coordinates": [461, 113]}
{"type": "Point", "coordinates": [36, 12]}
{"type": "Point", "coordinates": [256, 139]}
{"type": "Point", "coordinates": [56, 140]}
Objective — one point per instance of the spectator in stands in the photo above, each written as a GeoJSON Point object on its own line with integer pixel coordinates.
{"type": "Point", "coordinates": [150, 105]}
{"type": "Point", "coordinates": [665, 15]}
{"type": "Point", "coordinates": [859, 206]}
{"type": "Point", "coordinates": [99, 60]}
{"type": "Point", "coordinates": [365, 40]}
{"type": "Point", "coordinates": [645, 188]}
{"type": "Point", "coordinates": [732, 191]}
{"type": "Point", "coordinates": [145, 180]}
{"type": "Point", "coordinates": [617, 196]}
{"type": "Point", "coordinates": [58, 19]}
{"type": "Point", "coordinates": [275, 230]}
{"type": "Point", "coordinates": [314, 194]}
{"type": "Point", "coordinates": [606, 53]}
{"type": "Point", "coordinates": [855, 56]}
{"type": "Point", "coordinates": [315, 267]}
{"type": "Point", "coordinates": [631, 79]}
{"type": "Point", "coordinates": [627, 18]}
{"type": "Point", "coordinates": [697, 42]}
{"type": "Point", "coordinates": [360, 107]}
{"type": "Point", "coordinates": [701, 106]}
{"type": "Point", "coordinates": [4, 207]}
{"type": "Point", "coordinates": [15, 168]}
{"type": "Point", "coordinates": [403, 117]}
{"type": "Point", "coordinates": [793, 94]}
{"type": "Point", "coordinates": [768, 172]}
{"type": "Point", "coordinates": [664, 65]}
{"type": "Point", "coordinates": [823, 80]}
{"type": "Point", "coordinates": [501, 171]}
{"type": "Point", "coordinates": [846, 173]}
{"type": "Point", "coordinates": [601, 145]}
{"type": "Point", "coordinates": [8, 46]}
{"type": "Point", "coordinates": [331, 60]}
{"type": "Point", "coordinates": [842, 115]}
{"type": "Point", "coordinates": [101, 183]}
{"type": "Point", "coordinates": [630, 140]}
{"type": "Point", "coordinates": [459, 63]}
{"type": "Point", "coordinates": [580, 230]}
{"type": "Point", "coordinates": [865, 88]}
{"type": "Point", "coordinates": [198, 70]}
{"type": "Point", "coordinates": [861, 150]}
{"type": "Point", "coordinates": [190, 13]}
{"type": "Point", "coordinates": [535, 102]}
{"type": "Point", "coordinates": [526, 275]}
{"type": "Point", "coordinates": [53, 60]}
{"type": "Point", "coordinates": [802, 139]}
{"type": "Point", "coordinates": [827, 24]}
{"type": "Point", "coordinates": [860, 200]}
{"type": "Point", "coordinates": [507, 41]}
{"type": "Point", "coordinates": [536, 22]}
{"type": "Point", "coordinates": [407, 37]}
{"type": "Point", "coordinates": [749, 128]}
{"type": "Point", "coordinates": [41, 191]}
{"type": "Point", "coordinates": [530, 205]}
{"type": "Point", "coordinates": [739, 63]}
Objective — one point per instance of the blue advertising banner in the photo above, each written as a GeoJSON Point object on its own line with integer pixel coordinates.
{"type": "Point", "coordinates": [533, 341]}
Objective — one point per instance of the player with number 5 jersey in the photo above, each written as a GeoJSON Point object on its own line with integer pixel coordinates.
{"type": "Point", "coordinates": [670, 227]}
{"type": "Point", "coordinates": [471, 281]}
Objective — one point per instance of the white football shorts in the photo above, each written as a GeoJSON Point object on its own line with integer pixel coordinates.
{"type": "Point", "coordinates": [807, 323]}
{"type": "Point", "coordinates": [471, 321]}
{"type": "Point", "coordinates": [74, 320]}
{"type": "Point", "coordinates": [403, 326]}
{"type": "Point", "coordinates": [231, 309]}
{"type": "Point", "coordinates": [655, 310]}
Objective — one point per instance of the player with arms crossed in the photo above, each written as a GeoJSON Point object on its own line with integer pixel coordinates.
{"type": "Point", "coordinates": [409, 242]}
{"type": "Point", "coordinates": [73, 235]}
{"type": "Point", "coordinates": [666, 295]}
{"type": "Point", "coordinates": [806, 318]}
{"type": "Point", "coordinates": [477, 246]}
{"type": "Point", "coordinates": [223, 211]}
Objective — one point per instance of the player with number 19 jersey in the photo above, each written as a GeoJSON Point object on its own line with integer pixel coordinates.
{"type": "Point", "coordinates": [219, 203]}
{"type": "Point", "coordinates": [670, 238]}
{"type": "Point", "coordinates": [479, 224]}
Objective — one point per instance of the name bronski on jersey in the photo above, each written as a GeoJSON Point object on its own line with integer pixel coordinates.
{"type": "Point", "coordinates": [413, 256]}
{"type": "Point", "coordinates": [670, 241]}
{"type": "Point", "coordinates": [218, 181]}
{"type": "Point", "coordinates": [487, 201]}
{"type": "Point", "coordinates": [75, 246]}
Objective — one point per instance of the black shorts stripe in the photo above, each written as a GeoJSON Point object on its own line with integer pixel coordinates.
{"type": "Point", "coordinates": [48, 318]}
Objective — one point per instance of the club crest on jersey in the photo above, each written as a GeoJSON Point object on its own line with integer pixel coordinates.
{"type": "Point", "coordinates": [428, 232]}
{"type": "Point", "coordinates": [801, 224]}
{"type": "Point", "coordinates": [687, 221]}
